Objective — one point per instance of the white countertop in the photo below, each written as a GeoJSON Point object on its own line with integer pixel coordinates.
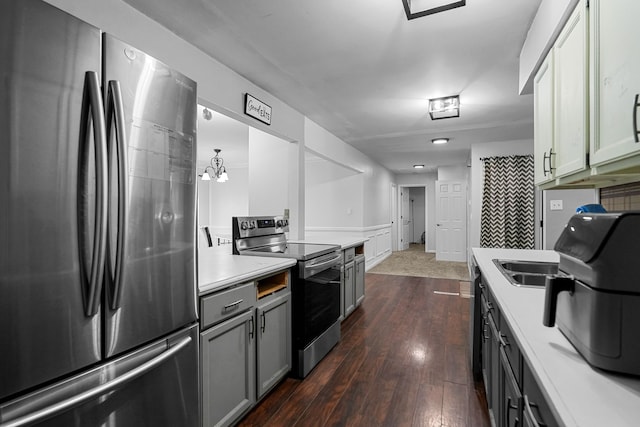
{"type": "Point", "coordinates": [343, 241]}
{"type": "Point", "coordinates": [218, 268]}
{"type": "Point", "coordinates": [578, 394]}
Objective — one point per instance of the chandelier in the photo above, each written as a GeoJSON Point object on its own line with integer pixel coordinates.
{"type": "Point", "coordinates": [217, 168]}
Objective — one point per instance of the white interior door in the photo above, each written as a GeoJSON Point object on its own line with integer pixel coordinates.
{"type": "Point", "coordinates": [394, 217]}
{"type": "Point", "coordinates": [451, 221]}
{"type": "Point", "coordinates": [405, 215]}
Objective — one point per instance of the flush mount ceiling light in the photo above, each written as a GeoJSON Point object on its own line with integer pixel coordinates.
{"type": "Point", "coordinates": [444, 108]}
{"type": "Point", "coordinates": [217, 169]}
{"type": "Point", "coordinates": [418, 166]}
{"type": "Point", "coordinates": [440, 140]}
{"type": "Point", "coordinates": [418, 8]}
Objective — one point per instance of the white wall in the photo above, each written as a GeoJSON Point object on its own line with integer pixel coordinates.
{"type": "Point", "coordinates": [333, 196]}
{"type": "Point", "coordinates": [453, 173]}
{"type": "Point", "coordinates": [549, 20]}
{"type": "Point", "coordinates": [375, 178]}
{"type": "Point", "coordinates": [268, 182]}
{"type": "Point", "coordinates": [555, 220]}
{"type": "Point", "coordinates": [427, 180]}
{"type": "Point", "coordinates": [503, 148]}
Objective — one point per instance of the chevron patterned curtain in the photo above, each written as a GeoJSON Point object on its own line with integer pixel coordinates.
{"type": "Point", "coordinates": [507, 218]}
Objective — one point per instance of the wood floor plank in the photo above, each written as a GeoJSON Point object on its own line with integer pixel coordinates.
{"type": "Point", "coordinates": [428, 411]}
{"type": "Point", "coordinates": [402, 361]}
{"type": "Point", "coordinates": [455, 405]}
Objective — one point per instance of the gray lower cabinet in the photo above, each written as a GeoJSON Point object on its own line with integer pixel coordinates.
{"type": "Point", "coordinates": [349, 285]}
{"type": "Point", "coordinates": [352, 286]}
{"type": "Point", "coordinates": [274, 341]}
{"type": "Point", "coordinates": [359, 287]}
{"type": "Point", "coordinates": [228, 370]}
{"type": "Point", "coordinates": [245, 346]}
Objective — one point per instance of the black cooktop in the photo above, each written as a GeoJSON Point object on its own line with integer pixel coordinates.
{"type": "Point", "coordinates": [299, 251]}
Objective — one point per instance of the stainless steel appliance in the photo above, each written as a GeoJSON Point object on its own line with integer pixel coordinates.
{"type": "Point", "coordinates": [97, 224]}
{"type": "Point", "coordinates": [476, 321]}
{"type": "Point", "coordinates": [315, 289]}
{"type": "Point", "coordinates": [595, 298]}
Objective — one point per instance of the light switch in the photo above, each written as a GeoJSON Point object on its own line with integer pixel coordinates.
{"type": "Point", "coordinates": [555, 205]}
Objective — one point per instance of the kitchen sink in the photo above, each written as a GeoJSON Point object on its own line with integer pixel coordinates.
{"type": "Point", "coordinates": [526, 273]}
{"type": "Point", "coordinates": [529, 267]}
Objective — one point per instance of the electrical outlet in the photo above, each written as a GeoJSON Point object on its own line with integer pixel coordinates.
{"type": "Point", "coordinates": [555, 205]}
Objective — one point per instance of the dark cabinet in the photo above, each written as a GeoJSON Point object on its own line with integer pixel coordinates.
{"type": "Point", "coordinates": [511, 414]}
{"type": "Point", "coordinates": [513, 396]}
{"type": "Point", "coordinates": [536, 410]}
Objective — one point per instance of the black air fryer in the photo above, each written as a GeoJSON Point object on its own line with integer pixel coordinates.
{"type": "Point", "coordinates": [595, 299]}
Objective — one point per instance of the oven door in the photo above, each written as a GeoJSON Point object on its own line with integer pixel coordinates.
{"type": "Point", "coordinates": [316, 295]}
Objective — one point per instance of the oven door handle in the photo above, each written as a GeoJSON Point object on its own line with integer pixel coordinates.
{"type": "Point", "coordinates": [322, 264]}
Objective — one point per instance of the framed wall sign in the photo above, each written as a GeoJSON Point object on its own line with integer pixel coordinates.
{"type": "Point", "coordinates": [257, 109]}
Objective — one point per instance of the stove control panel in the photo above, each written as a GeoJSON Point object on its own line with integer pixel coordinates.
{"type": "Point", "coordinates": [254, 226]}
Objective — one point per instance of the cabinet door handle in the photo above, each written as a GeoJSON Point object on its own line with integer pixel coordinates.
{"type": "Point", "coordinates": [544, 167]}
{"type": "Point", "coordinates": [251, 327]}
{"type": "Point", "coordinates": [233, 305]}
{"type": "Point", "coordinates": [636, 132]}
{"type": "Point", "coordinates": [527, 407]}
{"type": "Point", "coordinates": [503, 341]}
{"type": "Point", "coordinates": [551, 168]}
{"type": "Point", "coordinates": [511, 406]}
{"type": "Point", "coordinates": [264, 322]}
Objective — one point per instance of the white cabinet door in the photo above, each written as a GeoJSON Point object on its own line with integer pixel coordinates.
{"type": "Point", "coordinates": [615, 77]}
{"type": "Point", "coordinates": [570, 95]}
{"type": "Point", "coordinates": [543, 121]}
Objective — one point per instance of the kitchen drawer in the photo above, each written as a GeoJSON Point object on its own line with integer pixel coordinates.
{"type": "Point", "coordinates": [491, 305]}
{"type": "Point", "coordinates": [227, 303]}
{"type": "Point", "coordinates": [511, 349]}
{"type": "Point", "coordinates": [349, 254]}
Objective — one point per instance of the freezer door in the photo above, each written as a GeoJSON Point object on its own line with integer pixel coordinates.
{"type": "Point", "coordinates": [44, 290]}
{"type": "Point", "coordinates": [156, 293]}
{"type": "Point", "coordinates": [155, 386]}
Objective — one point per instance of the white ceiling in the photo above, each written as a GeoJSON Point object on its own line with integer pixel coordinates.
{"type": "Point", "coordinates": [364, 72]}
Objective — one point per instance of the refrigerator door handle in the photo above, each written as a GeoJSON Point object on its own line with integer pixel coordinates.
{"type": "Point", "coordinates": [92, 111]}
{"type": "Point", "coordinates": [116, 122]}
{"type": "Point", "coordinates": [109, 386]}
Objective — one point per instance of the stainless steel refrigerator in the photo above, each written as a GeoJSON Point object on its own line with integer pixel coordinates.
{"type": "Point", "coordinates": [97, 228]}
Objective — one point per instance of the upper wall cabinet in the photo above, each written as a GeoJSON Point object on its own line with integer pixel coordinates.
{"type": "Point", "coordinates": [560, 103]}
{"type": "Point", "coordinates": [615, 77]}
{"type": "Point", "coordinates": [571, 125]}
{"type": "Point", "coordinates": [543, 121]}
{"type": "Point", "coordinates": [586, 126]}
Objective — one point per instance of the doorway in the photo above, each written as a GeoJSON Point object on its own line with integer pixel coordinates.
{"type": "Point", "coordinates": [412, 214]}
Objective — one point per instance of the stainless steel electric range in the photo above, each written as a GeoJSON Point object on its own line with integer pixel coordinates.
{"type": "Point", "coordinates": [315, 289]}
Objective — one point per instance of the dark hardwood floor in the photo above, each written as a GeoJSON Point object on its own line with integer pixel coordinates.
{"type": "Point", "coordinates": [403, 360]}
